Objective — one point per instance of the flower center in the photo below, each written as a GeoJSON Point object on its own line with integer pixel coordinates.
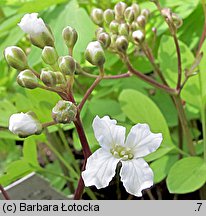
{"type": "Point", "coordinates": [122, 152]}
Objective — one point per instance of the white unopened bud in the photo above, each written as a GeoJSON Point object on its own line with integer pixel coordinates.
{"type": "Point", "coordinates": [123, 29]}
{"type": "Point", "coordinates": [114, 26]}
{"type": "Point", "coordinates": [119, 9]}
{"type": "Point", "coordinates": [27, 79]}
{"type": "Point", "coordinates": [138, 36]}
{"type": "Point", "coordinates": [104, 39]}
{"type": "Point", "coordinates": [64, 112]}
{"type": "Point", "coordinates": [134, 26]}
{"type": "Point", "coordinates": [95, 54]}
{"type": "Point", "coordinates": [99, 31]}
{"type": "Point", "coordinates": [51, 78]}
{"type": "Point", "coordinates": [136, 9]}
{"type": "Point", "coordinates": [49, 55]}
{"type": "Point", "coordinates": [122, 44]}
{"type": "Point", "coordinates": [40, 34]}
{"type": "Point", "coordinates": [16, 57]}
{"type": "Point", "coordinates": [141, 20]}
{"type": "Point", "coordinates": [67, 65]}
{"type": "Point", "coordinates": [70, 36]}
{"type": "Point", "coordinates": [145, 13]}
{"type": "Point", "coordinates": [108, 16]}
{"type": "Point", "coordinates": [48, 78]}
{"type": "Point", "coordinates": [24, 124]}
{"type": "Point", "coordinates": [97, 16]}
{"type": "Point", "coordinates": [129, 15]}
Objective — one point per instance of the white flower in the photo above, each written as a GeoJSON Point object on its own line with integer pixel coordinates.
{"type": "Point", "coordinates": [135, 173]}
{"type": "Point", "coordinates": [24, 124]}
{"type": "Point", "coordinates": [40, 35]}
{"type": "Point", "coordinates": [31, 24]}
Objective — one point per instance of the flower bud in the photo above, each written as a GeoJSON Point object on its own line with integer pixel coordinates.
{"type": "Point", "coordinates": [40, 34]}
{"type": "Point", "coordinates": [25, 124]}
{"type": "Point", "coordinates": [113, 40]}
{"type": "Point", "coordinates": [95, 54]}
{"type": "Point", "coordinates": [48, 78]}
{"type": "Point", "coordinates": [108, 16]}
{"type": "Point", "coordinates": [141, 20]}
{"type": "Point", "coordinates": [64, 112]}
{"type": "Point", "coordinates": [104, 39]}
{"type": "Point", "coordinates": [27, 79]}
{"type": "Point", "coordinates": [145, 13]}
{"type": "Point", "coordinates": [70, 36]}
{"type": "Point", "coordinates": [16, 57]}
{"type": "Point", "coordinates": [138, 36]}
{"type": "Point", "coordinates": [67, 65]}
{"type": "Point", "coordinates": [114, 25]}
{"type": "Point", "coordinates": [97, 16]}
{"type": "Point", "coordinates": [129, 15]}
{"type": "Point", "coordinates": [49, 55]}
{"type": "Point", "coordinates": [122, 44]}
{"type": "Point", "coordinates": [134, 26]}
{"type": "Point", "coordinates": [119, 9]}
{"type": "Point", "coordinates": [123, 29]}
{"type": "Point", "coordinates": [136, 9]}
{"type": "Point", "coordinates": [99, 31]}
{"type": "Point", "coordinates": [59, 78]}
{"type": "Point", "coordinates": [177, 20]}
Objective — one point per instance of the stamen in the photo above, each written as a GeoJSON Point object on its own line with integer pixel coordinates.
{"type": "Point", "coordinates": [121, 152]}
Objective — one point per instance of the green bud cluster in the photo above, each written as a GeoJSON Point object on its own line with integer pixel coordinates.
{"type": "Point", "coordinates": [117, 26]}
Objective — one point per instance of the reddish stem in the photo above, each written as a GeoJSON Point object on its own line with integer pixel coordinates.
{"type": "Point", "coordinates": [89, 91]}
{"type": "Point", "coordinates": [80, 188]}
{"type": "Point", "coordinates": [179, 62]}
{"type": "Point", "coordinates": [149, 80]}
{"type": "Point", "coordinates": [4, 193]}
{"type": "Point", "coordinates": [82, 137]}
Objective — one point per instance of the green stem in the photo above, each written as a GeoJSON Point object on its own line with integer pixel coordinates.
{"type": "Point", "coordinates": [67, 148]}
{"type": "Point", "coordinates": [63, 161]}
{"type": "Point", "coordinates": [185, 127]}
{"type": "Point", "coordinates": [41, 170]}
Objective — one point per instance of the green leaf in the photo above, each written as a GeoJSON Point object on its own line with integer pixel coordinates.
{"type": "Point", "coordinates": [6, 110]}
{"type": "Point", "coordinates": [104, 107]}
{"type": "Point", "coordinates": [141, 109]}
{"type": "Point", "coordinates": [167, 57]}
{"type": "Point", "coordinates": [167, 107]}
{"type": "Point", "coordinates": [76, 17]}
{"type": "Point", "coordinates": [28, 7]}
{"type": "Point", "coordinates": [30, 152]}
{"type": "Point", "coordinates": [11, 40]}
{"type": "Point", "coordinates": [161, 167]}
{"type": "Point", "coordinates": [15, 171]}
{"type": "Point", "coordinates": [187, 175]}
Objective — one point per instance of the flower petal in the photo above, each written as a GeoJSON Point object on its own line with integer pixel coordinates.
{"type": "Point", "coordinates": [142, 141]}
{"type": "Point", "coordinates": [136, 176]}
{"type": "Point", "coordinates": [107, 132]}
{"type": "Point", "coordinates": [100, 169]}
